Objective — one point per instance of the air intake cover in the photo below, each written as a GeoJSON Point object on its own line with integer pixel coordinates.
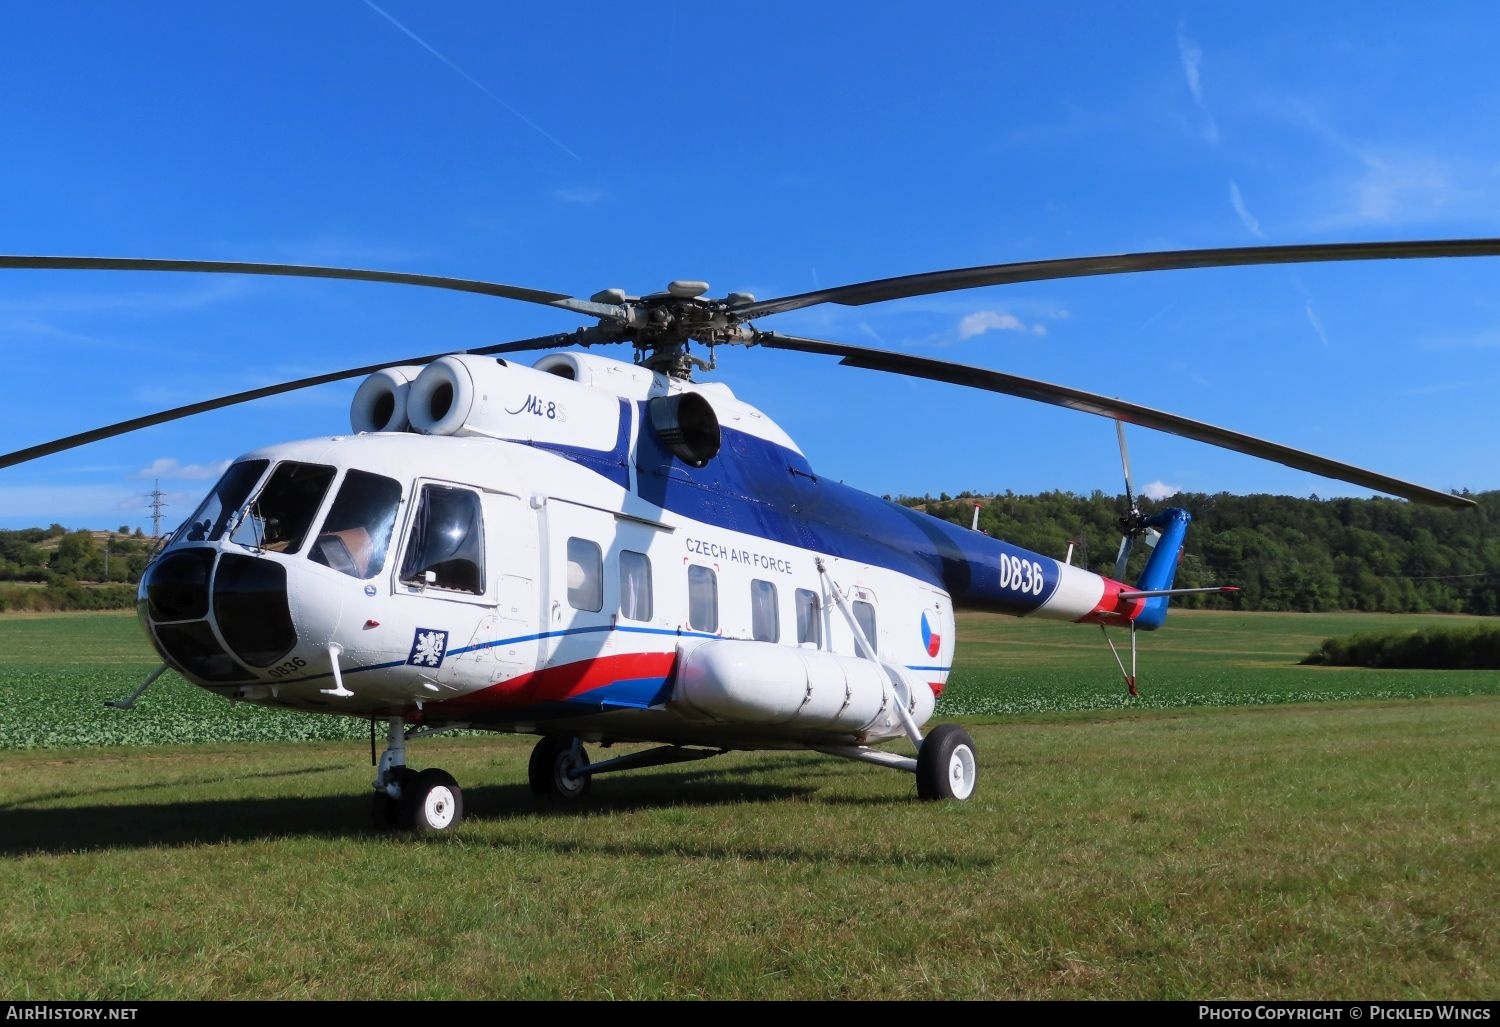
{"type": "Point", "coordinates": [464, 394]}
{"type": "Point", "coordinates": [687, 426]}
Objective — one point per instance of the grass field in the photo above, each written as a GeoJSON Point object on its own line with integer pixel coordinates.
{"type": "Point", "coordinates": [1212, 840]}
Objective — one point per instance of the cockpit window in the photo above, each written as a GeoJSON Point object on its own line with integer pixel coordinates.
{"type": "Point", "coordinates": [357, 531]}
{"type": "Point", "coordinates": [447, 541]}
{"type": "Point", "coordinates": [279, 517]}
{"type": "Point", "coordinates": [212, 516]}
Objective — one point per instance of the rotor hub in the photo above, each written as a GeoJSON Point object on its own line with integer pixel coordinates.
{"type": "Point", "coordinates": [663, 326]}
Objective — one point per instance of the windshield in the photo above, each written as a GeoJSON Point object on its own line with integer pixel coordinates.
{"type": "Point", "coordinates": [357, 531]}
{"type": "Point", "coordinates": [212, 516]}
{"type": "Point", "coordinates": [281, 515]}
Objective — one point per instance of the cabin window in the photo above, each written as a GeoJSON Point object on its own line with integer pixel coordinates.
{"type": "Point", "coordinates": [281, 515]}
{"type": "Point", "coordinates": [635, 585]}
{"type": "Point", "coordinates": [357, 531]}
{"type": "Point", "coordinates": [585, 575]}
{"type": "Point", "coordinates": [703, 598]}
{"type": "Point", "coordinates": [212, 516]}
{"type": "Point", "coordinates": [447, 541]}
{"type": "Point", "coordinates": [864, 616]}
{"type": "Point", "coordinates": [765, 624]}
{"type": "Point", "coordinates": [809, 621]}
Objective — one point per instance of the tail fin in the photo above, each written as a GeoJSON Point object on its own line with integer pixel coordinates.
{"type": "Point", "coordinates": [1161, 567]}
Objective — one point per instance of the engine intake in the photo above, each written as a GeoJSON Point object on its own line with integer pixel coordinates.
{"type": "Point", "coordinates": [380, 403]}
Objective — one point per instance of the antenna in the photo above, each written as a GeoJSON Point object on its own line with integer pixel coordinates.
{"type": "Point", "coordinates": [158, 502]}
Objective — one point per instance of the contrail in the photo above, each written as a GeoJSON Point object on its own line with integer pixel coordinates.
{"type": "Point", "coordinates": [471, 79]}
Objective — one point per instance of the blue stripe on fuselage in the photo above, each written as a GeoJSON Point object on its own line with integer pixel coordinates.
{"type": "Point", "coordinates": [614, 463]}
{"type": "Point", "coordinates": [762, 489]}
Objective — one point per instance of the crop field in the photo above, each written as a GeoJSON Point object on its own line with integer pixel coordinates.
{"type": "Point", "coordinates": [58, 670]}
{"type": "Point", "coordinates": [1247, 828]}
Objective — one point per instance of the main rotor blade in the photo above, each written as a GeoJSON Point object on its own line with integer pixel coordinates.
{"type": "Point", "coordinates": [510, 292]}
{"type": "Point", "coordinates": [1122, 263]}
{"type": "Point", "coordinates": [1090, 403]}
{"type": "Point", "coordinates": [581, 337]}
{"type": "Point", "coordinates": [110, 431]}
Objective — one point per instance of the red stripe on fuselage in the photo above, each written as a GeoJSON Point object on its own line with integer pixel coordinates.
{"type": "Point", "coordinates": [558, 684]}
{"type": "Point", "coordinates": [1111, 609]}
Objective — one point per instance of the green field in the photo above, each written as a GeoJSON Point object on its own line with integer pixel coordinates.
{"type": "Point", "coordinates": [58, 670]}
{"type": "Point", "coordinates": [1212, 839]}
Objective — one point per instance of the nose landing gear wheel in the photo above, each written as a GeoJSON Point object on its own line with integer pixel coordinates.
{"type": "Point", "coordinates": [554, 767]}
{"type": "Point", "coordinates": [947, 767]}
{"type": "Point", "coordinates": [431, 801]}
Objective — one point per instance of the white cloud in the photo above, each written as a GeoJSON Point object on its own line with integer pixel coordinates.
{"type": "Point", "coordinates": [1395, 185]}
{"type": "Point", "coordinates": [1317, 323]}
{"type": "Point", "coordinates": [1191, 56]}
{"type": "Point", "coordinates": [1246, 218]}
{"type": "Point", "coordinates": [470, 79]}
{"type": "Point", "coordinates": [869, 330]}
{"type": "Point", "coordinates": [167, 467]}
{"type": "Point", "coordinates": [984, 321]}
{"type": "Point", "coordinates": [1397, 189]}
{"type": "Point", "coordinates": [1160, 490]}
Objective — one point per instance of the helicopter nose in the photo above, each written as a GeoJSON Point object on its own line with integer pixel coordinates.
{"type": "Point", "coordinates": [186, 594]}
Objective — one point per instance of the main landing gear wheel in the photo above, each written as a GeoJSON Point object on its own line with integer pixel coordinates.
{"type": "Point", "coordinates": [554, 765]}
{"type": "Point", "coordinates": [947, 767]}
{"type": "Point", "coordinates": [431, 801]}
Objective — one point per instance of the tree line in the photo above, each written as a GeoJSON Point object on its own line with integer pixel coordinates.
{"type": "Point", "coordinates": [1284, 553]}
{"type": "Point", "coordinates": [54, 568]}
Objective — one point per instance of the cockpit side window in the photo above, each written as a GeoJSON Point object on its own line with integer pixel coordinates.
{"type": "Point", "coordinates": [447, 541]}
{"type": "Point", "coordinates": [357, 532]}
{"type": "Point", "coordinates": [212, 516]}
{"type": "Point", "coordinates": [280, 517]}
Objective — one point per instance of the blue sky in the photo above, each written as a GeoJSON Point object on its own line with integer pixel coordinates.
{"type": "Point", "coordinates": [769, 148]}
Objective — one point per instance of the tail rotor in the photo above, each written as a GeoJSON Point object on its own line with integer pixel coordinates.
{"type": "Point", "coordinates": [1132, 522]}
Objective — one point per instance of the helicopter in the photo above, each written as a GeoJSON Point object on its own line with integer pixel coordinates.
{"type": "Point", "coordinates": [605, 552]}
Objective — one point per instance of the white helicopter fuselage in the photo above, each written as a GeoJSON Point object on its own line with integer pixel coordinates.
{"type": "Point", "coordinates": [570, 548]}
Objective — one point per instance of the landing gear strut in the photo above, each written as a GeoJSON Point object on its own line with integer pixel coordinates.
{"type": "Point", "coordinates": [946, 765]}
{"type": "Point", "coordinates": [560, 767]}
{"type": "Point", "coordinates": [425, 801]}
